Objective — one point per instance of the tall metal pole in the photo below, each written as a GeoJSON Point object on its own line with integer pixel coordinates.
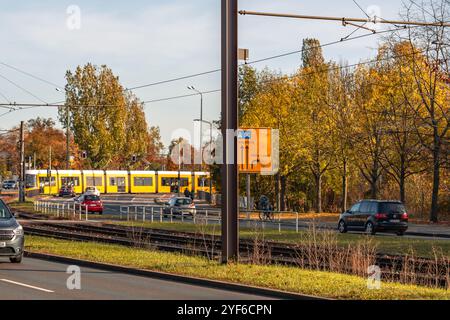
{"type": "Point", "coordinates": [67, 139]}
{"type": "Point", "coordinates": [179, 168]}
{"type": "Point", "coordinates": [248, 192]}
{"type": "Point", "coordinates": [229, 183]}
{"type": "Point", "coordinates": [50, 171]}
{"type": "Point", "coordinates": [201, 130]}
{"type": "Point", "coordinates": [210, 165]}
{"type": "Point", "coordinates": [22, 164]}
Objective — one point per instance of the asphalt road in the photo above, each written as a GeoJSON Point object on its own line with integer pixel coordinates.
{"type": "Point", "coordinates": [39, 279]}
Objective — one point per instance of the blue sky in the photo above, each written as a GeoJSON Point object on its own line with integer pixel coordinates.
{"type": "Point", "coordinates": [148, 41]}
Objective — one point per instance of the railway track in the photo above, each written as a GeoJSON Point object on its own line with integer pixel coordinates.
{"type": "Point", "coordinates": [420, 270]}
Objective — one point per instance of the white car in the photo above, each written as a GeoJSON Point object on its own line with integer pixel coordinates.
{"type": "Point", "coordinates": [92, 190]}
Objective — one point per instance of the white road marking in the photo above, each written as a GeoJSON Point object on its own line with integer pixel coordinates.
{"type": "Point", "coordinates": [26, 285]}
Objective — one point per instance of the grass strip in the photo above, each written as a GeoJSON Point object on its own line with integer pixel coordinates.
{"type": "Point", "coordinates": [318, 283]}
{"type": "Point", "coordinates": [389, 244]}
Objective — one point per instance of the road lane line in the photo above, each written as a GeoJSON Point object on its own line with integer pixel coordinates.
{"type": "Point", "coordinates": [27, 285]}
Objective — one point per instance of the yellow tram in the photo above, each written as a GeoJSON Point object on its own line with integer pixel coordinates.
{"type": "Point", "coordinates": [116, 181]}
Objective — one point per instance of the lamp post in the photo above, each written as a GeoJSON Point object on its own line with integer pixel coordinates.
{"type": "Point", "coordinates": [201, 118]}
{"type": "Point", "coordinates": [67, 134]}
{"type": "Point", "coordinates": [210, 152]}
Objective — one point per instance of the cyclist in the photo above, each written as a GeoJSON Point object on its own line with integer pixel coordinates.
{"type": "Point", "coordinates": [265, 207]}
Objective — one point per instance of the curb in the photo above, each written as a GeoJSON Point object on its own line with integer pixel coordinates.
{"type": "Point", "coordinates": [424, 234]}
{"type": "Point", "coordinates": [270, 293]}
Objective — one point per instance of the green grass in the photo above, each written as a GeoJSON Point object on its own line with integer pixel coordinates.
{"type": "Point", "coordinates": [385, 244]}
{"type": "Point", "coordinates": [319, 283]}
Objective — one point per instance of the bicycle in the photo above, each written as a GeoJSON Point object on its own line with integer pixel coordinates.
{"type": "Point", "coordinates": [266, 215]}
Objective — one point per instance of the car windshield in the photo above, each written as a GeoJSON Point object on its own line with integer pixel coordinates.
{"type": "Point", "coordinates": [388, 207]}
{"type": "Point", "coordinates": [91, 198]}
{"type": "Point", "coordinates": [5, 214]}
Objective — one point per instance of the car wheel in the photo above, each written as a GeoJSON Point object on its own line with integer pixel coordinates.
{"type": "Point", "coordinates": [342, 227]}
{"type": "Point", "coordinates": [100, 212]}
{"type": "Point", "coordinates": [370, 229]}
{"type": "Point", "coordinates": [400, 233]}
{"type": "Point", "coordinates": [17, 259]}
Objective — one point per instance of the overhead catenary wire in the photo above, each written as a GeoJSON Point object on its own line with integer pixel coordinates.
{"type": "Point", "coordinates": [328, 69]}
{"type": "Point", "coordinates": [54, 85]}
{"type": "Point", "coordinates": [22, 88]}
{"type": "Point", "coordinates": [260, 60]}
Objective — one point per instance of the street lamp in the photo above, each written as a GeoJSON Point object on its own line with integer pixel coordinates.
{"type": "Point", "coordinates": [201, 118]}
{"type": "Point", "coordinates": [210, 153]}
{"type": "Point", "coordinates": [67, 134]}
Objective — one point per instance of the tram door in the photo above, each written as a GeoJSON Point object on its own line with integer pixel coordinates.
{"type": "Point", "coordinates": [121, 184]}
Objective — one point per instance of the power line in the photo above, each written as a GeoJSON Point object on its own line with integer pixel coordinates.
{"type": "Point", "coordinates": [4, 97]}
{"type": "Point", "coordinates": [29, 106]}
{"type": "Point", "coordinates": [218, 90]}
{"type": "Point", "coordinates": [174, 79]}
{"type": "Point", "coordinates": [294, 76]}
{"type": "Point", "coordinates": [259, 60]}
{"type": "Point", "coordinates": [21, 88]}
{"type": "Point", "coordinates": [181, 96]}
{"type": "Point", "coordinates": [31, 75]}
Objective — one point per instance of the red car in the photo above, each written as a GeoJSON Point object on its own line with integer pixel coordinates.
{"type": "Point", "coordinates": [91, 202]}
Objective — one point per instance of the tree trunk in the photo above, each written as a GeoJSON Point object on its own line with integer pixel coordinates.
{"type": "Point", "coordinates": [374, 179]}
{"type": "Point", "coordinates": [402, 179]}
{"type": "Point", "coordinates": [283, 194]}
{"type": "Point", "coordinates": [373, 187]}
{"type": "Point", "coordinates": [318, 178]}
{"type": "Point", "coordinates": [344, 187]}
{"type": "Point", "coordinates": [277, 191]}
{"type": "Point", "coordinates": [436, 178]}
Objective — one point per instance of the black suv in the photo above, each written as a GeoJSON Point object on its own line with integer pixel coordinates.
{"type": "Point", "coordinates": [372, 216]}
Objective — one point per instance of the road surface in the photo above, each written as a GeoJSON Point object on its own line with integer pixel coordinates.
{"type": "Point", "coordinates": [40, 279]}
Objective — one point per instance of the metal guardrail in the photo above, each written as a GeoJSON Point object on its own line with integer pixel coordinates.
{"type": "Point", "coordinates": [152, 213]}
{"type": "Point", "coordinates": [67, 209]}
{"type": "Point", "coordinates": [158, 213]}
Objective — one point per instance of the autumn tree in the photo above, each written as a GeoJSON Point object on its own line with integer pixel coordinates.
{"type": "Point", "coordinates": [403, 155]}
{"type": "Point", "coordinates": [430, 67]}
{"type": "Point", "coordinates": [41, 136]}
{"type": "Point", "coordinates": [107, 122]}
{"type": "Point", "coordinates": [313, 94]}
{"type": "Point", "coordinates": [341, 104]}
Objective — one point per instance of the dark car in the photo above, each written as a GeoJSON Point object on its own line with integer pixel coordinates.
{"type": "Point", "coordinates": [67, 191]}
{"type": "Point", "coordinates": [373, 216]}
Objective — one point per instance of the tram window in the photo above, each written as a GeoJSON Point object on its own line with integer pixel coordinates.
{"type": "Point", "coordinates": [143, 181]}
{"type": "Point", "coordinates": [112, 181]}
{"type": "Point", "coordinates": [30, 181]}
{"type": "Point", "coordinates": [167, 182]}
{"type": "Point", "coordinates": [94, 181]}
{"type": "Point", "coordinates": [73, 181]}
{"type": "Point", "coordinates": [202, 182]}
{"type": "Point", "coordinates": [43, 181]}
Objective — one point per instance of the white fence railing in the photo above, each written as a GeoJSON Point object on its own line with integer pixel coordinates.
{"type": "Point", "coordinates": [151, 213]}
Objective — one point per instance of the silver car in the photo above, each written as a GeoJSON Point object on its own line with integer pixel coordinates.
{"type": "Point", "coordinates": [180, 206]}
{"type": "Point", "coordinates": [11, 235]}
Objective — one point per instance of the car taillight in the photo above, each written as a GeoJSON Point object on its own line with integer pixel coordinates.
{"type": "Point", "coordinates": [380, 216]}
{"type": "Point", "coordinates": [404, 216]}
